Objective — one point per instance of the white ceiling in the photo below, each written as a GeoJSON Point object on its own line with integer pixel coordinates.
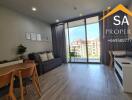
{"type": "Point", "coordinates": [50, 10]}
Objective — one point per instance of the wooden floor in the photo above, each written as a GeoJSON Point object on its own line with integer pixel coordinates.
{"type": "Point", "coordinates": [79, 82]}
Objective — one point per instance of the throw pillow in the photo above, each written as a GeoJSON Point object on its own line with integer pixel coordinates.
{"type": "Point", "coordinates": [43, 57]}
{"type": "Point", "coordinates": [50, 55]}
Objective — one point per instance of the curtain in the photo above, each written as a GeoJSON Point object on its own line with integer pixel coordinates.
{"type": "Point", "coordinates": [103, 42]}
{"type": "Point", "coordinates": [59, 42]}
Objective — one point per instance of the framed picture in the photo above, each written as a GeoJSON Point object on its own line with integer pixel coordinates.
{"type": "Point", "coordinates": [39, 37]}
{"type": "Point", "coordinates": [27, 35]}
{"type": "Point", "coordinates": [33, 36]}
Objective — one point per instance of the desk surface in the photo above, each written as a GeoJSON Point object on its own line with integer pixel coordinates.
{"type": "Point", "coordinates": [124, 60]}
{"type": "Point", "coordinates": [118, 53]}
{"type": "Point", "coordinates": [15, 67]}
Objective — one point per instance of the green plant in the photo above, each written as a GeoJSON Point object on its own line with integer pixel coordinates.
{"type": "Point", "coordinates": [72, 54]}
{"type": "Point", "coordinates": [21, 49]}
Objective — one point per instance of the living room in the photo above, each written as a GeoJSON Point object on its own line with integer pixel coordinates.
{"type": "Point", "coordinates": [65, 50]}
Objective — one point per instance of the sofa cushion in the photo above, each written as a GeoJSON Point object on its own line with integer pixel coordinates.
{"type": "Point", "coordinates": [50, 56]}
{"type": "Point", "coordinates": [51, 64]}
{"type": "Point", "coordinates": [43, 56]}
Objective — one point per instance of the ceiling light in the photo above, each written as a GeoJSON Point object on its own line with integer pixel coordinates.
{"type": "Point", "coordinates": [80, 14]}
{"type": "Point", "coordinates": [57, 20]}
{"type": "Point", "coordinates": [34, 9]}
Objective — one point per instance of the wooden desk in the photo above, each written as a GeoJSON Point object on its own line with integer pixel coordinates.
{"type": "Point", "coordinates": [16, 67]}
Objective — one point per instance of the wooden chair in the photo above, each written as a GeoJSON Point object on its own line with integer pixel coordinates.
{"type": "Point", "coordinates": [29, 73]}
{"type": "Point", "coordinates": [111, 59]}
{"type": "Point", "coordinates": [6, 85]}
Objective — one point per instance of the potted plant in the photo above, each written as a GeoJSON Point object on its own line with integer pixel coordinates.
{"type": "Point", "coordinates": [21, 50]}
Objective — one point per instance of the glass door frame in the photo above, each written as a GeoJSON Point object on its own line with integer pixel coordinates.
{"type": "Point", "coordinates": [85, 24]}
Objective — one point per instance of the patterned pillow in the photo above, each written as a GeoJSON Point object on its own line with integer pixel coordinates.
{"type": "Point", "coordinates": [43, 57]}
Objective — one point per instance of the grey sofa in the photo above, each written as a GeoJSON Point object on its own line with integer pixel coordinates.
{"type": "Point", "coordinates": [44, 66]}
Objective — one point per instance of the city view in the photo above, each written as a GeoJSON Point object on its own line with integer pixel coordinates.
{"type": "Point", "coordinates": [78, 48]}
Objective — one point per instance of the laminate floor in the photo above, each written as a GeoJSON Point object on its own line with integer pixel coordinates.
{"type": "Point", "coordinates": [79, 82]}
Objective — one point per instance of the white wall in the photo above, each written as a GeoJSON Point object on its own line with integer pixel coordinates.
{"type": "Point", "coordinates": [13, 27]}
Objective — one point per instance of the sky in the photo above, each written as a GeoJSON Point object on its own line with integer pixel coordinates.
{"type": "Point", "coordinates": [79, 32]}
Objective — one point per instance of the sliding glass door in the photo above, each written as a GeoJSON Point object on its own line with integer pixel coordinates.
{"type": "Point", "coordinates": [93, 39]}
{"type": "Point", "coordinates": [76, 45]}
{"type": "Point", "coordinates": [82, 40]}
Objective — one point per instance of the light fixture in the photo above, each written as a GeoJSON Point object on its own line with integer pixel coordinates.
{"type": "Point", "coordinates": [57, 20]}
{"type": "Point", "coordinates": [34, 9]}
{"type": "Point", "coordinates": [80, 14]}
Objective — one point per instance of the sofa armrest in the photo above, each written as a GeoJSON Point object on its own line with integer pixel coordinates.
{"type": "Point", "coordinates": [35, 57]}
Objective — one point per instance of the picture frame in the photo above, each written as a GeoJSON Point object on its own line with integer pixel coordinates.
{"type": "Point", "coordinates": [39, 37]}
{"type": "Point", "coordinates": [33, 36]}
{"type": "Point", "coordinates": [28, 36]}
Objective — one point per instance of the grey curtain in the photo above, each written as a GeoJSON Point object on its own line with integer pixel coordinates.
{"type": "Point", "coordinates": [103, 42]}
{"type": "Point", "coordinates": [59, 42]}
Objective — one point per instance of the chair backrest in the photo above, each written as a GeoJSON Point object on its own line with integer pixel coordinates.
{"type": "Point", "coordinates": [110, 53]}
{"type": "Point", "coordinates": [27, 72]}
{"type": "Point", "coordinates": [6, 78]}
